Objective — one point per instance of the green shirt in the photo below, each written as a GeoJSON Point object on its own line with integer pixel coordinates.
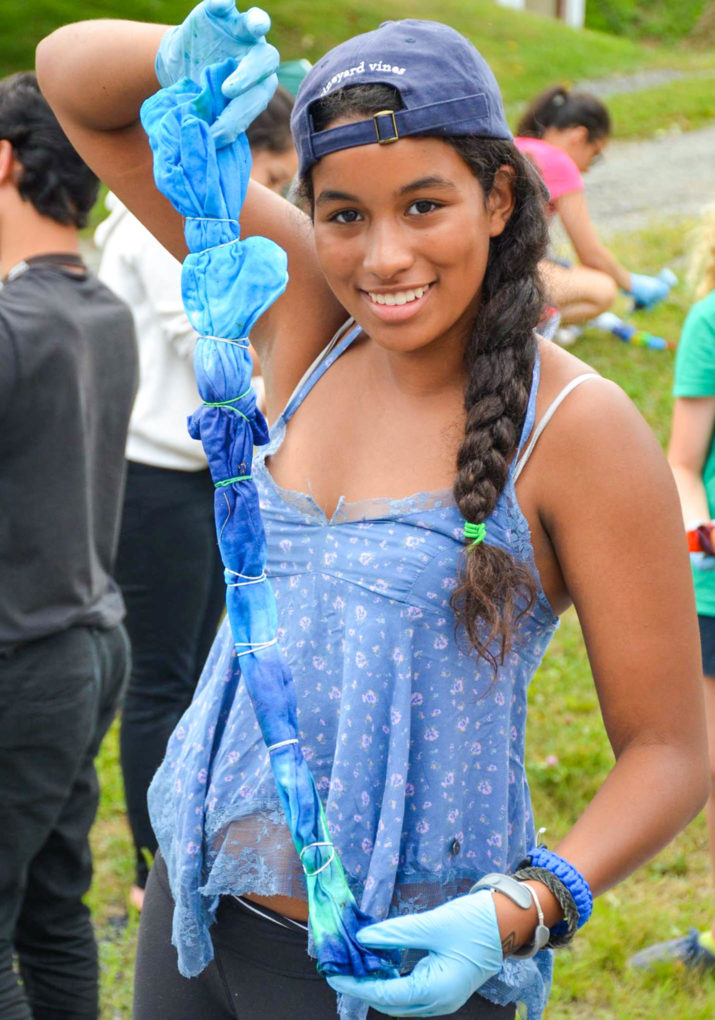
{"type": "Point", "coordinates": [695, 377]}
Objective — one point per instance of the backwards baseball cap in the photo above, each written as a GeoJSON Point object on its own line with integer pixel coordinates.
{"type": "Point", "coordinates": [446, 86]}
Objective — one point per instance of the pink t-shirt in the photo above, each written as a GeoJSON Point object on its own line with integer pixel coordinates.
{"type": "Point", "coordinates": [559, 172]}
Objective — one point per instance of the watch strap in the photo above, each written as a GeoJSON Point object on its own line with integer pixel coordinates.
{"type": "Point", "coordinates": [523, 896]}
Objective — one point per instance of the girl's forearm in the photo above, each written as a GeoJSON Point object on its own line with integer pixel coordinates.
{"type": "Point", "coordinates": [693, 498]}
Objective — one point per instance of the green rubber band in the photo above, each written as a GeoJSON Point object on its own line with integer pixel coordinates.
{"type": "Point", "coordinates": [230, 481]}
{"type": "Point", "coordinates": [477, 532]}
{"type": "Point", "coordinates": [227, 403]}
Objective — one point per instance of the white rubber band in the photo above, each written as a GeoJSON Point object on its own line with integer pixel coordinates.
{"type": "Point", "coordinates": [283, 743]}
{"type": "Point", "coordinates": [253, 648]}
{"type": "Point", "coordinates": [309, 846]}
{"type": "Point", "coordinates": [247, 578]}
{"type": "Point", "coordinates": [242, 342]}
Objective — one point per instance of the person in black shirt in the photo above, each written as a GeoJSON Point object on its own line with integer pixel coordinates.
{"type": "Point", "coordinates": [68, 370]}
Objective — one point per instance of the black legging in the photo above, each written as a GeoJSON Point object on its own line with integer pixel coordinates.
{"type": "Point", "coordinates": [171, 576]}
{"type": "Point", "coordinates": [260, 971]}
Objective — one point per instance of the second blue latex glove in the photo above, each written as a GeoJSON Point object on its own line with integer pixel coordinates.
{"type": "Point", "coordinates": [463, 951]}
{"type": "Point", "coordinates": [647, 291]}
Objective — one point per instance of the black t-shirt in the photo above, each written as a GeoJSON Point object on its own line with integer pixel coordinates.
{"type": "Point", "coordinates": [68, 373]}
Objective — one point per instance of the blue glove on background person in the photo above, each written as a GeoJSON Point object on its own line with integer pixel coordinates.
{"type": "Point", "coordinates": [647, 291]}
{"type": "Point", "coordinates": [464, 950]}
{"type": "Point", "coordinates": [214, 31]}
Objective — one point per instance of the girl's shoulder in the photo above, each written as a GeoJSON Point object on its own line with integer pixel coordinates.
{"type": "Point", "coordinates": [586, 409]}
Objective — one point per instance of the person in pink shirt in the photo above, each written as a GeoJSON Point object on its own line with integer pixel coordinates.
{"type": "Point", "coordinates": [564, 133]}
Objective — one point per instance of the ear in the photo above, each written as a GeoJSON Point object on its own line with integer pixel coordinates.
{"type": "Point", "coordinates": [500, 202]}
{"type": "Point", "coordinates": [7, 161]}
{"type": "Point", "coordinates": [579, 133]}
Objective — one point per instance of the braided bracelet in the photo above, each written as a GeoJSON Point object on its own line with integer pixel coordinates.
{"type": "Point", "coordinates": [562, 933]}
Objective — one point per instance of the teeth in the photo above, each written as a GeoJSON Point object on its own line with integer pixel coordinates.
{"type": "Point", "coordinates": [400, 297]}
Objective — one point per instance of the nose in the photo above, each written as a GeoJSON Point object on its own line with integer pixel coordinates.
{"type": "Point", "coordinates": [388, 251]}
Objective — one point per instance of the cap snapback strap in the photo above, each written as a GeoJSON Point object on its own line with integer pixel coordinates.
{"type": "Point", "coordinates": [388, 126]}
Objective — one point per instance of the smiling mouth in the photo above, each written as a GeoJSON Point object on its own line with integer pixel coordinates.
{"type": "Point", "coordinates": [398, 297]}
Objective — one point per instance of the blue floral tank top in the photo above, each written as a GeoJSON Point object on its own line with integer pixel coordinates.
{"type": "Point", "coordinates": [416, 748]}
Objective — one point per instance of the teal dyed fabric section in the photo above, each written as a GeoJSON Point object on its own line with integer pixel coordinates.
{"type": "Point", "coordinates": [227, 284]}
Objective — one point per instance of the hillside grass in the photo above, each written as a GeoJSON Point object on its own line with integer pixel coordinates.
{"type": "Point", "coordinates": [647, 19]}
{"type": "Point", "coordinates": [526, 51]}
{"type": "Point", "coordinates": [568, 756]}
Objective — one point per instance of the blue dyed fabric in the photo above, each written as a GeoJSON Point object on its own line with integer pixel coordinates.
{"type": "Point", "coordinates": [227, 283]}
{"type": "Point", "coordinates": [417, 753]}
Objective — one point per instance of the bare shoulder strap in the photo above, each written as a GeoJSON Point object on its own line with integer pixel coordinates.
{"type": "Point", "coordinates": [342, 338]}
{"type": "Point", "coordinates": [547, 416]}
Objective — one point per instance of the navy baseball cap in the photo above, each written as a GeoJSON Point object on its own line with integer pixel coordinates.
{"type": "Point", "coordinates": [446, 86]}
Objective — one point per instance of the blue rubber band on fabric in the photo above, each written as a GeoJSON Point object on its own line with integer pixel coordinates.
{"type": "Point", "coordinates": [541, 857]}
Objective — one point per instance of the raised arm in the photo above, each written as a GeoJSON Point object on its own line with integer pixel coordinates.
{"type": "Point", "coordinates": [96, 74]}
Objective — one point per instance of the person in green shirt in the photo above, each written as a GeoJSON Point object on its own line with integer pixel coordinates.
{"type": "Point", "coordinates": [692, 458]}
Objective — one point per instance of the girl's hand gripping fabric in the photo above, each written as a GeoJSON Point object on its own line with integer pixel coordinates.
{"type": "Point", "coordinates": [463, 951]}
{"type": "Point", "coordinates": [211, 33]}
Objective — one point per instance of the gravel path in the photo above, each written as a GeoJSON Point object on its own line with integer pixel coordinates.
{"type": "Point", "coordinates": [653, 179]}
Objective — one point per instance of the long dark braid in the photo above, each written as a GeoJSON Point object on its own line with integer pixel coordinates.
{"type": "Point", "coordinates": [494, 589]}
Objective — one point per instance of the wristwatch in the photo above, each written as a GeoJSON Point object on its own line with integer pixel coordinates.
{"type": "Point", "coordinates": [523, 895]}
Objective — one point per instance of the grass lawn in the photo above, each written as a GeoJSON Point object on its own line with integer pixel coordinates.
{"type": "Point", "coordinates": [569, 758]}
{"type": "Point", "coordinates": [527, 52]}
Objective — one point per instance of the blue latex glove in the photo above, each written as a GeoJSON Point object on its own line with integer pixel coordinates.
{"type": "Point", "coordinates": [212, 32]}
{"type": "Point", "coordinates": [647, 291]}
{"type": "Point", "coordinates": [464, 951]}
{"type": "Point", "coordinates": [250, 88]}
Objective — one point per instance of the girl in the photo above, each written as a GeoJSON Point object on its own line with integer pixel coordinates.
{"type": "Point", "coordinates": [692, 458]}
{"type": "Point", "coordinates": [565, 133]}
{"type": "Point", "coordinates": [434, 413]}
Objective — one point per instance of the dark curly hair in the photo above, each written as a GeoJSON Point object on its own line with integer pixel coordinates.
{"type": "Point", "coordinates": [54, 178]}
{"type": "Point", "coordinates": [494, 589]}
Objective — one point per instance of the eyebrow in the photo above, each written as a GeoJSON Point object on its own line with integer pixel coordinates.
{"type": "Point", "coordinates": [330, 195]}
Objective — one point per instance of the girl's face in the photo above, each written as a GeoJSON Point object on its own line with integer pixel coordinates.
{"type": "Point", "coordinates": [402, 233]}
{"type": "Point", "coordinates": [575, 141]}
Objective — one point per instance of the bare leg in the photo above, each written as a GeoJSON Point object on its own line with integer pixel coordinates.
{"type": "Point", "coordinates": [579, 293]}
{"type": "Point", "coordinates": [710, 716]}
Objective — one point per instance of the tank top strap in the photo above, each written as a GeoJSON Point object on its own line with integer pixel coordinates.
{"type": "Point", "coordinates": [339, 343]}
{"type": "Point", "coordinates": [522, 458]}
{"type": "Point", "coordinates": [530, 407]}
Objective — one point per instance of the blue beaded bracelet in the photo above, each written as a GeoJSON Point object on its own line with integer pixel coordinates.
{"type": "Point", "coordinates": [574, 881]}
